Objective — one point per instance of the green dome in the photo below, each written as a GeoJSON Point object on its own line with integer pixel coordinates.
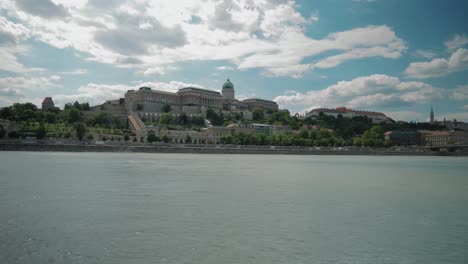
{"type": "Point", "coordinates": [228, 85]}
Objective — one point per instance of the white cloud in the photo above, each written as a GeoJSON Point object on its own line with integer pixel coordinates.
{"type": "Point", "coordinates": [460, 93]}
{"type": "Point", "coordinates": [75, 72]}
{"type": "Point", "coordinates": [11, 35]}
{"type": "Point", "coordinates": [150, 35]}
{"type": "Point", "coordinates": [225, 68]}
{"type": "Point", "coordinates": [99, 93]}
{"type": "Point", "coordinates": [26, 89]}
{"type": "Point", "coordinates": [456, 42]}
{"type": "Point", "coordinates": [366, 92]}
{"type": "Point", "coordinates": [458, 61]}
{"type": "Point", "coordinates": [425, 54]}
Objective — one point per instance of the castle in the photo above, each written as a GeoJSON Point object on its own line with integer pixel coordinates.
{"type": "Point", "coordinates": [194, 101]}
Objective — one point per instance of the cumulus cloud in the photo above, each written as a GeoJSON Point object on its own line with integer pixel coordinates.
{"type": "Point", "coordinates": [363, 92]}
{"type": "Point", "coordinates": [460, 93]}
{"type": "Point", "coordinates": [224, 68]}
{"type": "Point", "coordinates": [75, 72]}
{"type": "Point", "coordinates": [11, 35]}
{"type": "Point", "coordinates": [151, 34]}
{"type": "Point", "coordinates": [99, 93]}
{"type": "Point", "coordinates": [439, 67]}
{"type": "Point", "coordinates": [43, 8]}
{"type": "Point", "coordinates": [456, 42]}
{"type": "Point", "coordinates": [26, 89]}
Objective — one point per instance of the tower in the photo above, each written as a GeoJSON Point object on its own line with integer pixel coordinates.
{"type": "Point", "coordinates": [431, 115]}
{"type": "Point", "coordinates": [228, 90]}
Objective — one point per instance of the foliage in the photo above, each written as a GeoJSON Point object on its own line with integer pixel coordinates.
{"type": "Point", "coordinates": [73, 115]}
{"type": "Point", "coordinates": [76, 105]}
{"type": "Point", "coordinates": [14, 134]}
{"type": "Point", "coordinates": [258, 115]}
{"type": "Point", "coordinates": [166, 108]}
{"type": "Point", "coordinates": [152, 138]}
{"type": "Point", "coordinates": [165, 119]}
{"type": "Point", "coordinates": [215, 118]}
{"type": "Point", "coordinates": [41, 132]}
{"type": "Point", "coordinates": [80, 130]}
{"type": "Point", "coordinates": [165, 139]}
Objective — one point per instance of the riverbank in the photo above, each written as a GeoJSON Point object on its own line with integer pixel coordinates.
{"type": "Point", "coordinates": [219, 149]}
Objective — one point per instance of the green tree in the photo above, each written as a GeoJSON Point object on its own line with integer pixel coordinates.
{"type": "Point", "coordinates": [73, 115]}
{"type": "Point", "coordinates": [165, 139]}
{"type": "Point", "coordinates": [41, 132]}
{"type": "Point", "coordinates": [166, 108]}
{"type": "Point", "coordinates": [165, 119]}
{"type": "Point", "coordinates": [188, 139]}
{"type": "Point", "coordinates": [50, 118]}
{"type": "Point", "coordinates": [2, 132]}
{"type": "Point", "coordinates": [152, 138]}
{"type": "Point", "coordinates": [304, 134]}
{"type": "Point", "coordinates": [80, 130]}
{"type": "Point", "coordinates": [258, 115]}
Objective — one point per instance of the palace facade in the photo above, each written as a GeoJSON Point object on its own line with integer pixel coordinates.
{"type": "Point", "coordinates": [194, 101]}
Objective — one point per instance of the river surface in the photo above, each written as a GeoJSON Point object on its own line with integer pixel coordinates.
{"type": "Point", "coordinates": [192, 208]}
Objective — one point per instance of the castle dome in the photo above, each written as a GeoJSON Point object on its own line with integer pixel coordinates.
{"type": "Point", "coordinates": [228, 85]}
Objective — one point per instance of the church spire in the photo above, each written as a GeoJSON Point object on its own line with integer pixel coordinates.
{"type": "Point", "coordinates": [431, 117]}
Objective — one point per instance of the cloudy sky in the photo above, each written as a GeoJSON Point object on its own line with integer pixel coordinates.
{"type": "Point", "coordinates": [395, 56]}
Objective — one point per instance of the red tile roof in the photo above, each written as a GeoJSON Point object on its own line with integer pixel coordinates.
{"type": "Point", "coordinates": [47, 100]}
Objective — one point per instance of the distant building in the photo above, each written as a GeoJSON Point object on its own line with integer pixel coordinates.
{"type": "Point", "coordinates": [442, 138]}
{"type": "Point", "coordinates": [404, 138]}
{"type": "Point", "coordinates": [194, 101]}
{"type": "Point", "coordinates": [376, 117]}
{"type": "Point", "coordinates": [48, 104]}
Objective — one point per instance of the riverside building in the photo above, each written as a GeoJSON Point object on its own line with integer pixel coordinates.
{"type": "Point", "coordinates": [194, 101]}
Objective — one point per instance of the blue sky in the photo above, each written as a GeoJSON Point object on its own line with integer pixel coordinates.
{"type": "Point", "coordinates": [398, 57]}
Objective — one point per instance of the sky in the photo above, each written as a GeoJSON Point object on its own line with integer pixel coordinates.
{"type": "Point", "coordinates": [398, 57]}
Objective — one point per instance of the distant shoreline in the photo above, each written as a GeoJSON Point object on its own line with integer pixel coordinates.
{"type": "Point", "coordinates": [217, 149]}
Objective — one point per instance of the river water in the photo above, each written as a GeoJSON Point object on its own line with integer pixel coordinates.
{"type": "Point", "coordinates": [192, 208]}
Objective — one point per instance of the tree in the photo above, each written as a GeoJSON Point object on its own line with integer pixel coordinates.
{"type": "Point", "coordinates": [90, 137]}
{"type": "Point", "coordinates": [188, 139]}
{"type": "Point", "coordinates": [80, 130]}
{"type": "Point", "coordinates": [50, 117]}
{"type": "Point", "coordinates": [258, 115]}
{"type": "Point", "coordinates": [166, 108]}
{"type": "Point", "coordinates": [41, 132]}
{"type": "Point", "coordinates": [2, 132]}
{"type": "Point", "coordinates": [165, 139]}
{"type": "Point", "coordinates": [14, 134]}
{"type": "Point", "coordinates": [165, 119]}
{"type": "Point", "coordinates": [73, 115]}
{"type": "Point", "coordinates": [304, 134]}
{"type": "Point", "coordinates": [152, 138]}
{"type": "Point", "coordinates": [183, 119]}
{"type": "Point", "coordinates": [126, 137]}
